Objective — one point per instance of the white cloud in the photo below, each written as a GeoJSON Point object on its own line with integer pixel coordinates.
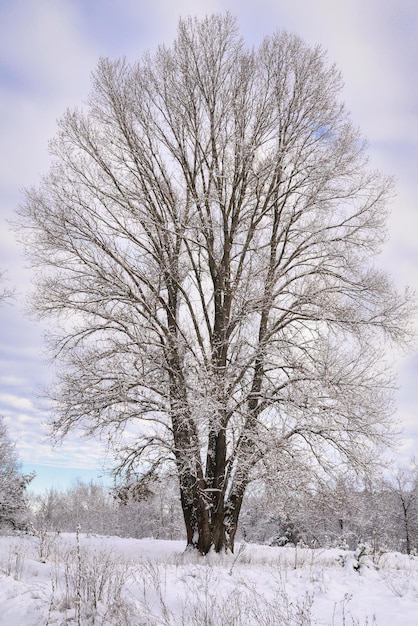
{"type": "Point", "coordinates": [12, 381]}
{"type": "Point", "coordinates": [15, 402]}
{"type": "Point", "coordinates": [48, 64]}
{"type": "Point", "coordinates": [47, 49]}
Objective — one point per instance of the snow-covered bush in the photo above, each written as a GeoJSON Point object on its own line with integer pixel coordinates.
{"type": "Point", "coordinates": [13, 509]}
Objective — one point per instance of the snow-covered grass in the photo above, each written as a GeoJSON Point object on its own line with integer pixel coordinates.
{"type": "Point", "coordinates": [49, 579]}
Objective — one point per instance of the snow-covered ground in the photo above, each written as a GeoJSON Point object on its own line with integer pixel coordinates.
{"type": "Point", "coordinates": [52, 579]}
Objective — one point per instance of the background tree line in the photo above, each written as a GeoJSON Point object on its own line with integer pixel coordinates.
{"type": "Point", "coordinates": [344, 513]}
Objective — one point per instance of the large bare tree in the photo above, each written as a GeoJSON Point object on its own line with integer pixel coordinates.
{"type": "Point", "coordinates": [205, 235]}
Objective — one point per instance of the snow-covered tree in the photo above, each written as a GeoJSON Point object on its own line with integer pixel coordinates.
{"type": "Point", "coordinates": [403, 489]}
{"type": "Point", "coordinates": [206, 236]}
{"type": "Point", "coordinates": [12, 483]}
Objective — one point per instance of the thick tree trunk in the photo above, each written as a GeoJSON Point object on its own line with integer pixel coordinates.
{"type": "Point", "coordinates": [197, 524]}
{"type": "Point", "coordinates": [211, 520]}
{"type": "Point", "coordinates": [206, 527]}
{"type": "Point", "coordinates": [211, 529]}
{"type": "Point", "coordinates": [206, 534]}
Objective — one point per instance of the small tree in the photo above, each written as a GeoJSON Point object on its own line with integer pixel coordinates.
{"type": "Point", "coordinates": [205, 236]}
{"type": "Point", "coordinates": [403, 487]}
{"type": "Point", "coordinates": [12, 483]}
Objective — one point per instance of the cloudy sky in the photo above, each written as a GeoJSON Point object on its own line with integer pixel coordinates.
{"type": "Point", "coordinates": [48, 49]}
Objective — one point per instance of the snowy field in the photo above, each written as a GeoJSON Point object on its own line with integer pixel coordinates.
{"type": "Point", "coordinates": [52, 579]}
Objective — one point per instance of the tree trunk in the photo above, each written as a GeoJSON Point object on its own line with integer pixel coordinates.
{"type": "Point", "coordinates": [211, 518]}
{"type": "Point", "coordinates": [405, 508]}
{"type": "Point", "coordinates": [205, 532]}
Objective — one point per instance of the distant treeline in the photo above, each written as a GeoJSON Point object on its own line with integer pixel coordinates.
{"type": "Point", "coordinates": [345, 513]}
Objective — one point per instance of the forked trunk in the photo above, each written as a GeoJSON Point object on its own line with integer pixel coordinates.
{"type": "Point", "coordinates": [206, 532]}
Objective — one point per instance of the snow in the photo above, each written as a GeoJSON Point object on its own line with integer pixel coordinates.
{"type": "Point", "coordinates": [53, 579]}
